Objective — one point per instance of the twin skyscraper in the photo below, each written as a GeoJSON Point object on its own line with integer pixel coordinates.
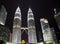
{"type": "Point", "coordinates": [29, 30]}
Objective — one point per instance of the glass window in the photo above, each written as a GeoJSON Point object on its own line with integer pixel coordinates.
{"type": "Point", "coordinates": [45, 26]}
{"type": "Point", "coordinates": [30, 16]}
{"type": "Point", "coordinates": [17, 15]}
{"type": "Point", "coordinates": [17, 22]}
{"type": "Point", "coordinates": [31, 23]}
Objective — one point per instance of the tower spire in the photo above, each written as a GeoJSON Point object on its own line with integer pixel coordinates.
{"type": "Point", "coordinates": [18, 10]}
{"type": "Point", "coordinates": [30, 14]}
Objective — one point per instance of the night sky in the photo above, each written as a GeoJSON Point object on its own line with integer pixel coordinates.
{"type": "Point", "coordinates": [40, 8]}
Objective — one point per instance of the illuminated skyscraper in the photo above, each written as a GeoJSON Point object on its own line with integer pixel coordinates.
{"type": "Point", "coordinates": [31, 27]}
{"type": "Point", "coordinates": [47, 33]}
{"type": "Point", "coordinates": [3, 14]}
{"type": "Point", "coordinates": [16, 36]}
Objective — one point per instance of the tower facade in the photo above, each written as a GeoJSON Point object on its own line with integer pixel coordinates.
{"type": "Point", "coordinates": [16, 36]}
{"type": "Point", "coordinates": [57, 18]}
{"type": "Point", "coordinates": [31, 27]}
{"type": "Point", "coordinates": [47, 33]}
{"type": "Point", "coordinates": [3, 14]}
{"type": "Point", "coordinates": [19, 31]}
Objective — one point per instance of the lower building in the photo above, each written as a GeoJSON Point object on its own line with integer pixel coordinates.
{"type": "Point", "coordinates": [4, 33]}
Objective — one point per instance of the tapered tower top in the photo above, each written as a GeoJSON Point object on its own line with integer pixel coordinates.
{"type": "Point", "coordinates": [18, 11]}
{"type": "Point", "coordinates": [30, 14]}
{"type": "Point", "coordinates": [29, 10]}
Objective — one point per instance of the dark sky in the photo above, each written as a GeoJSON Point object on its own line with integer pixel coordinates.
{"type": "Point", "coordinates": [40, 8]}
